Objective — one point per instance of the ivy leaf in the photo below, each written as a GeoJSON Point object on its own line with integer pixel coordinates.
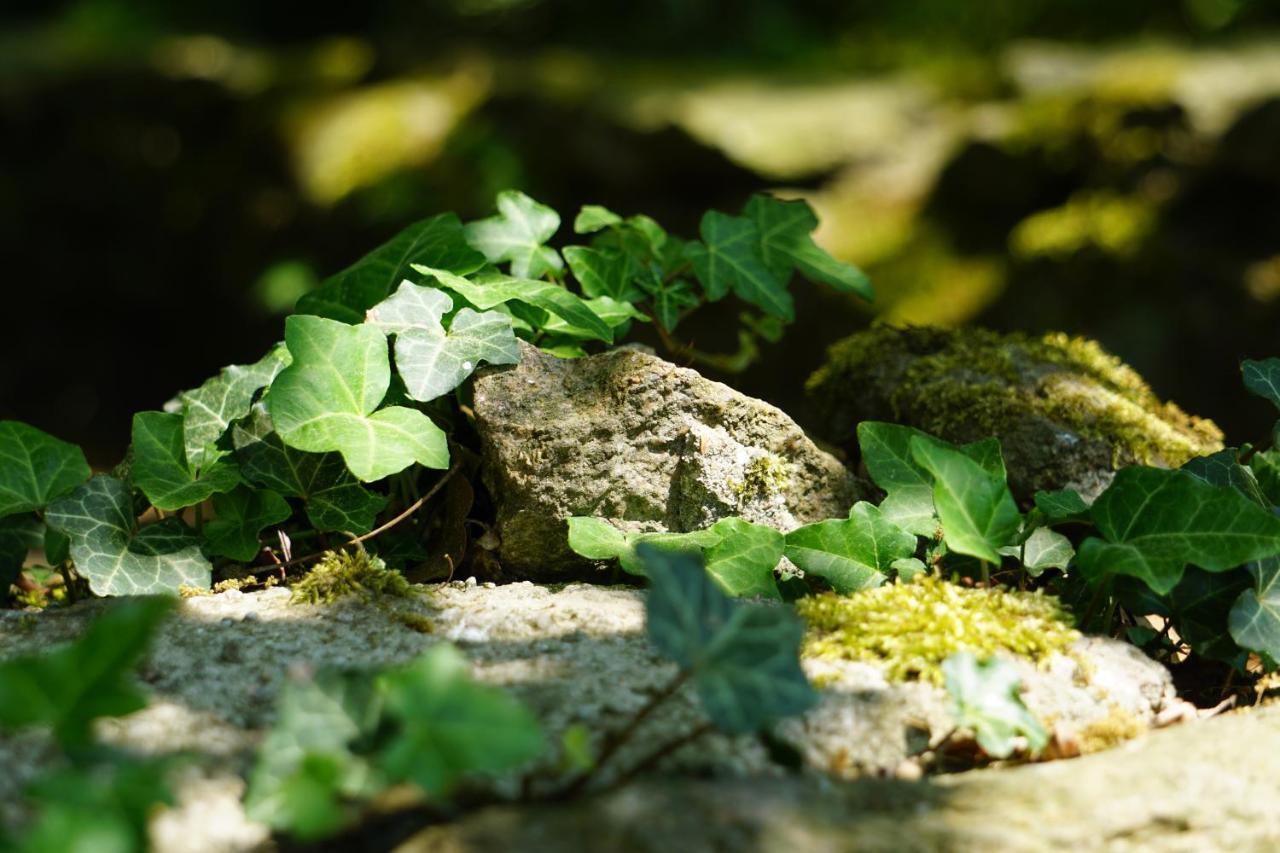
{"type": "Point", "coordinates": [592, 218]}
{"type": "Point", "coordinates": [1224, 469]}
{"type": "Point", "coordinates": [241, 517]}
{"type": "Point", "coordinates": [1062, 505]}
{"type": "Point", "coordinates": [451, 728]}
{"type": "Point", "coordinates": [597, 539]}
{"type": "Point", "coordinates": [517, 234]}
{"type": "Point", "coordinates": [1154, 522]}
{"type": "Point", "coordinates": [160, 466]}
{"type": "Point", "coordinates": [906, 569]}
{"type": "Point", "coordinates": [1254, 621]}
{"type": "Point", "coordinates": [326, 400]}
{"type": "Point", "coordinates": [334, 500]}
{"type": "Point", "coordinates": [978, 513]}
{"type": "Point", "coordinates": [67, 688]}
{"type": "Point", "coordinates": [1266, 470]}
{"type": "Point", "coordinates": [743, 659]}
{"type": "Point", "coordinates": [1200, 607]}
{"type": "Point", "coordinates": [209, 410]}
{"type": "Point", "coordinates": [437, 242]}
{"type": "Point", "coordinates": [616, 314]}
{"type": "Point", "coordinates": [851, 554]}
{"type": "Point", "coordinates": [492, 291]}
{"type": "Point", "coordinates": [668, 300]}
{"type": "Point", "coordinates": [36, 468]}
{"type": "Point", "coordinates": [412, 306]}
{"type": "Point", "coordinates": [1046, 549]}
{"type": "Point", "coordinates": [18, 535]}
{"type": "Point", "coordinates": [784, 228]}
{"type": "Point", "coordinates": [743, 559]}
{"type": "Point", "coordinates": [985, 699]}
{"type": "Point", "coordinates": [728, 258]}
{"type": "Point", "coordinates": [305, 766]}
{"type": "Point", "coordinates": [114, 555]}
{"type": "Point", "coordinates": [431, 361]}
{"type": "Point", "coordinates": [605, 272]}
{"type": "Point", "coordinates": [886, 451]}
{"type": "Point", "coordinates": [1263, 378]}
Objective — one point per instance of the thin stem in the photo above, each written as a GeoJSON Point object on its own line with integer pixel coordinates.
{"type": "Point", "coordinates": [669, 748]}
{"type": "Point", "coordinates": [614, 741]}
{"type": "Point", "coordinates": [356, 540]}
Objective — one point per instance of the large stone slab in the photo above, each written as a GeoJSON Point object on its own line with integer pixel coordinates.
{"type": "Point", "coordinates": [632, 438]}
{"type": "Point", "coordinates": [576, 655]}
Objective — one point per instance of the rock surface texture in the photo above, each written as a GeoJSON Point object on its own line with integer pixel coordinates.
{"type": "Point", "coordinates": [574, 655]}
{"type": "Point", "coordinates": [1066, 412]}
{"type": "Point", "coordinates": [631, 438]}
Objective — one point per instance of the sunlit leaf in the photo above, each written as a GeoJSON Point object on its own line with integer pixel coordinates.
{"type": "Point", "coordinates": [743, 559]}
{"type": "Point", "coordinates": [327, 400]}
{"type": "Point", "coordinates": [592, 218]}
{"type": "Point", "coordinates": [517, 234]}
{"type": "Point", "coordinates": [784, 228]}
{"type": "Point", "coordinates": [851, 554]}
{"type": "Point", "coordinates": [985, 699]}
{"type": "Point", "coordinates": [977, 511]}
{"type": "Point", "coordinates": [117, 557]}
{"type": "Point", "coordinates": [729, 259]}
{"type": "Point", "coordinates": [605, 272]}
{"type": "Point", "coordinates": [209, 410]}
{"type": "Point", "coordinates": [1046, 549]}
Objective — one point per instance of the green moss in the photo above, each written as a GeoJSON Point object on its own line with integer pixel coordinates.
{"type": "Point", "coordinates": [976, 381]}
{"type": "Point", "coordinates": [1112, 730]}
{"type": "Point", "coordinates": [764, 476]}
{"type": "Point", "coordinates": [341, 574]}
{"type": "Point", "coordinates": [912, 628]}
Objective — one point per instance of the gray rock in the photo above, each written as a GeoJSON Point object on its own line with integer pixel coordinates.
{"type": "Point", "coordinates": [650, 446]}
{"type": "Point", "coordinates": [1067, 413]}
{"type": "Point", "coordinates": [575, 655]}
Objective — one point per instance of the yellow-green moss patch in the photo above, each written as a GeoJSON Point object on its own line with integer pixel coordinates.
{"type": "Point", "coordinates": [912, 628]}
{"type": "Point", "coordinates": [763, 476]}
{"type": "Point", "coordinates": [981, 382]}
{"type": "Point", "coordinates": [341, 574]}
{"type": "Point", "coordinates": [1112, 730]}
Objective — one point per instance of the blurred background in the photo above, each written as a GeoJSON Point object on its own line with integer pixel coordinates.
{"type": "Point", "coordinates": [175, 175]}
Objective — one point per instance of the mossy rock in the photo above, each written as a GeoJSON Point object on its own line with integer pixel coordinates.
{"type": "Point", "coordinates": [1067, 412]}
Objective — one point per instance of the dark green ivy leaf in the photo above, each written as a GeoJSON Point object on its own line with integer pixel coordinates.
{"type": "Point", "coordinates": [729, 259]}
{"type": "Point", "coordinates": [161, 469]}
{"type": "Point", "coordinates": [1154, 522]}
{"type": "Point", "coordinates": [1224, 469]}
{"type": "Point", "coordinates": [437, 242]}
{"type": "Point", "coordinates": [1263, 378]}
{"type": "Point", "coordinates": [605, 272]}
{"type": "Point", "coordinates": [240, 517]}
{"type": "Point", "coordinates": [744, 659]}
{"type": "Point", "coordinates": [784, 228]}
{"type": "Point", "coordinates": [334, 499]}
{"type": "Point", "coordinates": [1266, 470]}
{"type": "Point", "coordinates": [1254, 621]}
{"type": "Point", "coordinates": [1062, 505]}
{"type": "Point", "coordinates": [70, 686]}
{"type": "Point", "coordinates": [36, 468]}
{"type": "Point", "coordinates": [114, 554]}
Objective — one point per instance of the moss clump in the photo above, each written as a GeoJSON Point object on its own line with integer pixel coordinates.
{"type": "Point", "coordinates": [187, 591]}
{"type": "Point", "coordinates": [341, 574]}
{"type": "Point", "coordinates": [1112, 730]}
{"type": "Point", "coordinates": [763, 476]}
{"type": "Point", "coordinates": [912, 628]}
{"type": "Point", "coordinates": [974, 382]}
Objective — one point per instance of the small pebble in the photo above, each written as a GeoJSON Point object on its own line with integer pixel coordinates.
{"type": "Point", "coordinates": [471, 581]}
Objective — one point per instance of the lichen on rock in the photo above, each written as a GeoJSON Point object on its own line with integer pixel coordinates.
{"type": "Point", "coordinates": [911, 628]}
{"type": "Point", "coordinates": [1067, 412]}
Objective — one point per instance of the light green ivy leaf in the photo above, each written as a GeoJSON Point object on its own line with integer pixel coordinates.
{"type": "Point", "coordinates": [326, 400]}
{"type": "Point", "coordinates": [977, 511]}
{"type": "Point", "coordinates": [592, 218]}
{"type": "Point", "coordinates": [117, 557]}
{"type": "Point", "coordinates": [1046, 549]}
{"type": "Point", "coordinates": [851, 554]}
{"type": "Point", "coordinates": [240, 517]}
{"type": "Point", "coordinates": [431, 361]}
{"type": "Point", "coordinates": [517, 234]}
{"type": "Point", "coordinates": [493, 290]}
{"type": "Point", "coordinates": [160, 466]}
{"type": "Point", "coordinates": [207, 411]}
{"type": "Point", "coordinates": [36, 468]}
{"type": "Point", "coordinates": [985, 699]}
{"type": "Point", "coordinates": [743, 559]}
{"type": "Point", "coordinates": [597, 539]}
